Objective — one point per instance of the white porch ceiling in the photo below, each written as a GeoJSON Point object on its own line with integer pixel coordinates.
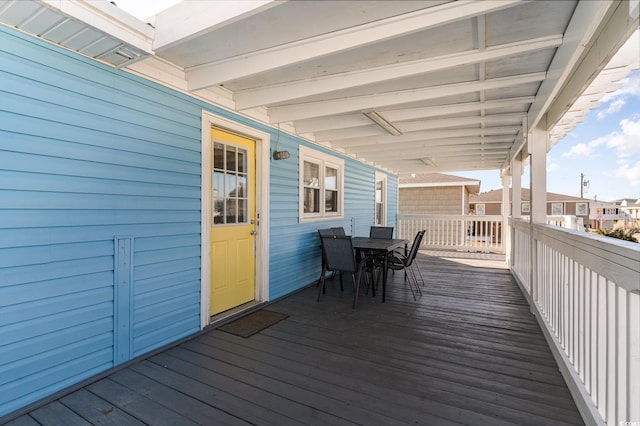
{"type": "Point", "coordinates": [462, 82]}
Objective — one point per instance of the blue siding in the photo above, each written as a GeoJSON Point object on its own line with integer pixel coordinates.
{"type": "Point", "coordinates": [87, 154]}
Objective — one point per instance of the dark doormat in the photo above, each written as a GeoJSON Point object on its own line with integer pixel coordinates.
{"type": "Point", "coordinates": [251, 324]}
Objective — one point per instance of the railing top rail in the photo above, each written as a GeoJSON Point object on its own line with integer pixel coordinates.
{"type": "Point", "coordinates": [617, 260]}
{"type": "Point", "coordinates": [450, 216]}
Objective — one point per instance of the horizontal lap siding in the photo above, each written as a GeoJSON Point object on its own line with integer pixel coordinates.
{"type": "Point", "coordinates": [88, 153]}
{"type": "Point", "coordinates": [295, 246]}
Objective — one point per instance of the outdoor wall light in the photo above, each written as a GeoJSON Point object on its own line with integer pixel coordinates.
{"type": "Point", "coordinates": [280, 155]}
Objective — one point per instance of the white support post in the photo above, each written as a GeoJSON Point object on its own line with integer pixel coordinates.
{"type": "Point", "coordinates": [538, 144]}
{"type": "Point", "coordinates": [516, 187]}
{"type": "Point", "coordinates": [505, 232]}
{"type": "Point", "coordinates": [516, 197]}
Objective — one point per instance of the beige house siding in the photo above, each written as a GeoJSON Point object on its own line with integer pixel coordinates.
{"type": "Point", "coordinates": [442, 200]}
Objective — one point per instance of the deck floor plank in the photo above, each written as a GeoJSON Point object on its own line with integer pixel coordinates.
{"type": "Point", "coordinates": [468, 351]}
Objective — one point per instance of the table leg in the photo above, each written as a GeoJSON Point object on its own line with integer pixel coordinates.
{"type": "Point", "coordinates": [384, 277]}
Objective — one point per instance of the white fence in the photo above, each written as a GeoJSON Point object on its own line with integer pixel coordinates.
{"type": "Point", "coordinates": [585, 292]}
{"type": "Point", "coordinates": [450, 232]}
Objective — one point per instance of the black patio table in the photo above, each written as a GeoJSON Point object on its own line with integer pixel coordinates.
{"type": "Point", "coordinates": [379, 245]}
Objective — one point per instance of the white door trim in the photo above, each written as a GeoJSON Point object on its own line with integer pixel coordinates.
{"type": "Point", "coordinates": [263, 141]}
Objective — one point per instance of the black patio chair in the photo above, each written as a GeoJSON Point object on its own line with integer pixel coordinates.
{"type": "Point", "coordinates": [398, 260]}
{"type": "Point", "coordinates": [338, 231]}
{"type": "Point", "coordinates": [339, 257]}
{"type": "Point", "coordinates": [381, 232]}
{"type": "Point", "coordinates": [375, 260]}
{"type": "Point", "coordinates": [329, 232]}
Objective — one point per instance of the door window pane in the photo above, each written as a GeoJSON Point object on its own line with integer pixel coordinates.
{"type": "Point", "coordinates": [230, 180]}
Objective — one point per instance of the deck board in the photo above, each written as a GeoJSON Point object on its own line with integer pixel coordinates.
{"type": "Point", "coordinates": [468, 351]}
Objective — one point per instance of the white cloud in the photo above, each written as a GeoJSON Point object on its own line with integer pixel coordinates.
{"type": "Point", "coordinates": [552, 167]}
{"type": "Point", "coordinates": [630, 173]}
{"type": "Point", "coordinates": [630, 86]}
{"type": "Point", "coordinates": [585, 150]}
{"type": "Point", "coordinates": [625, 142]}
{"type": "Point", "coordinates": [614, 107]}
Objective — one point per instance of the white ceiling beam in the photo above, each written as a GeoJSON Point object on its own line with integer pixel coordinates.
{"type": "Point", "coordinates": [428, 124]}
{"type": "Point", "coordinates": [413, 126]}
{"type": "Point", "coordinates": [313, 86]}
{"type": "Point", "coordinates": [316, 124]}
{"type": "Point", "coordinates": [586, 19]}
{"type": "Point", "coordinates": [435, 111]}
{"type": "Point", "coordinates": [424, 136]}
{"type": "Point", "coordinates": [450, 165]}
{"type": "Point", "coordinates": [189, 19]}
{"type": "Point", "coordinates": [253, 63]}
{"type": "Point", "coordinates": [359, 103]}
{"type": "Point", "coordinates": [412, 153]}
{"type": "Point", "coordinates": [311, 125]}
{"type": "Point", "coordinates": [506, 141]}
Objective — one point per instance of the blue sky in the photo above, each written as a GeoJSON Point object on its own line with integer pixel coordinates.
{"type": "Point", "coordinates": [605, 147]}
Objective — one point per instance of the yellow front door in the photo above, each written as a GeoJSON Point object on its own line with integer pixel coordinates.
{"type": "Point", "coordinates": [233, 227]}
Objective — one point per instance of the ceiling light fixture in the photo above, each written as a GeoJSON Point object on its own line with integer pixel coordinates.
{"type": "Point", "coordinates": [377, 118]}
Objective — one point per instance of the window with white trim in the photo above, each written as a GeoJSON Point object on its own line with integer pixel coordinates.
{"type": "Point", "coordinates": [321, 185]}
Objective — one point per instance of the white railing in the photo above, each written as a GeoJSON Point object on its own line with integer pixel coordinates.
{"type": "Point", "coordinates": [451, 232]}
{"type": "Point", "coordinates": [585, 291]}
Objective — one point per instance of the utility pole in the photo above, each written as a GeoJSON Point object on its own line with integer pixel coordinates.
{"type": "Point", "coordinates": [583, 183]}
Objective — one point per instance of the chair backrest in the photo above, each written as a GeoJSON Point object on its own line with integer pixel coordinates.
{"type": "Point", "coordinates": [338, 231]}
{"type": "Point", "coordinates": [338, 253]}
{"type": "Point", "coordinates": [381, 232]}
{"type": "Point", "coordinates": [415, 247]}
{"type": "Point", "coordinates": [325, 231]}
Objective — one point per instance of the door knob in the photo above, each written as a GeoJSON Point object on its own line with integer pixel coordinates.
{"type": "Point", "coordinates": [253, 232]}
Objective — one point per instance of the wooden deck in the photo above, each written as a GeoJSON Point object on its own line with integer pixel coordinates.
{"type": "Point", "coordinates": [467, 352]}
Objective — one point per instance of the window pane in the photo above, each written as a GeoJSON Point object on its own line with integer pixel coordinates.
{"type": "Point", "coordinates": [379, 214]}
{"type": "Point", "coordinates": [330, 178]}
{"type": "Point", "coordinates": [232, 210]}
{"type": "Point", "coordinates": [242, 160]}
{"type": "Point", "coordinates": [230, 185]}
{"type": "Point", "coordinates": [378, 191]}
{"type": "Point", "coordinates": [242, 211]}
{"type": "Point", "coordinates": [311, 200]}
{"type": "Point", "coordinates": [311, 174]}
{"type": "Point", "coordinates": [218, 210]}
{"type": "Point", "coordinates": [242, 184]}
{"type": "Point", "coordinates": [231, 158]}
{"type": "Point", "coordinates": [330, 201]}
{"type": "Point", "coordinates": [218, 155]}
{"type": "Point", "coordinates": [218, 184]}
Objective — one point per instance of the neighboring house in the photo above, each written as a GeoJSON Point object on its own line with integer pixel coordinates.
{"type": "Point", "coordinates": [597, 214]}
{"type": "Point", "coordinates": [436, 193]}
{"type": "Point", "coordinates": [116, 193]}
{"type": "Point", "coordinates": [631, 207]}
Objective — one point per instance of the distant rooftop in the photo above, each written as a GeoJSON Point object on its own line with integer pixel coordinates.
{"type": "Point", "coordinates": [425, 180]}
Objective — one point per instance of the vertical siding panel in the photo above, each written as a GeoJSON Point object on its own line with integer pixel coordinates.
{"type": "Point", "coordinates": [122, 298]}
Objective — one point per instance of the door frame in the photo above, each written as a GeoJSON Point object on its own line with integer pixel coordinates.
{"type": "Point", "coordinates": [263, 143]}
